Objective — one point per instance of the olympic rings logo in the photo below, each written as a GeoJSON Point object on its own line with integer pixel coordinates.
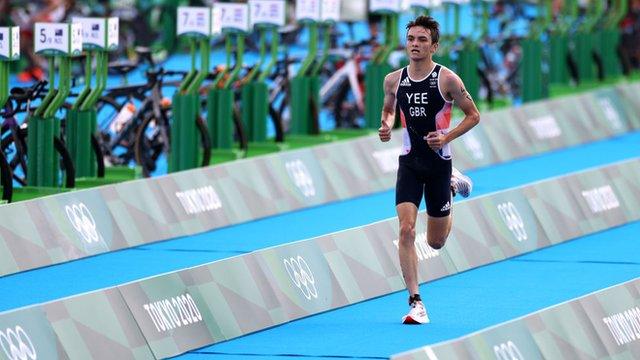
{"type": "Point", "coordinates": [81, 219]}
{"type": "Point", "coordinates": [508, 351]}
{"type": "Point", "coordinates": [17, 345]}
{"type": "Point", "coordinates": [301, 177]}
{"type": "Point", "coordinates": [301, 276]}
{"type": "Point", "coordinates": [511, 217]}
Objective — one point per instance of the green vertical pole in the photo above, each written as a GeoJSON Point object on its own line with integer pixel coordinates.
{"type": "Point", "coordinates": [260, 98]}
{"type": "Point", "coordinates": [184, 134]}
{"type": "Point", "coordinates": [4, 83]}
{"type": "Point", "coordinates": [300, 89]}
{"type": "Point", "coordinates": [223, 97]}
{"type": "Point", "coordinates": [249, 118]}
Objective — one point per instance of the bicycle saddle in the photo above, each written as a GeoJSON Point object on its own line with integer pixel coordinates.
{"type": "Point", "coordinates": [121, 68]}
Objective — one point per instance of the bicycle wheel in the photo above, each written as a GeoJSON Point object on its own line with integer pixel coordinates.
{"type": "Point", "coordinates": [66, 163]}
{"type": "Point", "coordinates": [150, 143]}
{"type": "Point", "coordinates": [20, 160]}
{"type": "Point", "coordinates": [6, 178]}
{"type": "Point", "coordinates": [97, 150]}
{"type": "Point", "coordinates": [205, 141]}
{"type": "Point", "coordinates": [14, 148]}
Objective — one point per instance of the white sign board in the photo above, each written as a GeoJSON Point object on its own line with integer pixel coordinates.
{"type": "Point", "coordinates": [99, 33]}
{"type": "Point", "coordinates": [425, 4]}
{"type": "Point", "coordinates": [233, 17]}
{"type": "Point", "coordinates": [194, 21]}
{"type": "Point", "coordinates": [385, 6]}
{"type": "Point", "coordinates": [58, 38]}
{"type": "Point", "coordinates": [113, 32]}
{"type": "Point", "coordinates": [308, 10]}
{"type": "Point", "coordinates": [330, 10]}
{"type": "Point", "coordinates": [216, 21]}
{"type": "Point", "coordinates": [9, 43]}
{"type": "Point", "coordinates": [267, 12]}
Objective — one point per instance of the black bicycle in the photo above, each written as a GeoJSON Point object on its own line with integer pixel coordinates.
{"type": "Point", "coordinates": [144, 135]}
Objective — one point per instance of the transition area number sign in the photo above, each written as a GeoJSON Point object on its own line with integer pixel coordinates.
{"type": "Point", "coordinates": [9, 43]}
{"type": "Point", "coordinates": [193, 21]}
{"type": "Point", "coordinates": [308, 10]}
{"type": "Point", "coordinates": [58, 39]}
{"type": "Point", "coordinates": [330, 10]}
{"type": "Point", "coordinates": [99, 33]}
{"type": "Point", "coordinates": [267, 12]}
{"type": "Point", "coordinates": [385, 6]}
{"type": "Point", "coordinates": [233, 17]}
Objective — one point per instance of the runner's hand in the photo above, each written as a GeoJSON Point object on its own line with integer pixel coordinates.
{"type": "Point", "coordinates": [435, 140]}
{"type": "Point", "coordinates": [384, 132]}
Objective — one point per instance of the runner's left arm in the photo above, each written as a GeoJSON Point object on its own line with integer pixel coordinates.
{"type": "Point", "coordinates": [454, 90]}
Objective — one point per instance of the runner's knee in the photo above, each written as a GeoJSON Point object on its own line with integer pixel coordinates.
{"type": "Point", "coordinates": [407, 232]}
{"type": "Point", "coordinates": [437, 242]}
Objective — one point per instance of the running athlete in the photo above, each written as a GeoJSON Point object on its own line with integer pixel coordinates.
{"type": "Point", "coordinates": [422, 95]}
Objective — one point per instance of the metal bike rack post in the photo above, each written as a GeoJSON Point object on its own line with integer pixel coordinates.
{"type": "Point", "coordinates": [442, 56]}
{"type": "Point", "coordinates": [314, 77]}
{"type": "Point", "coordinates": [233, 21]}
{"type": "Point", "coordinates": [99, 36]}
{"type": "Point", "coordinates": [534, 85]}
{"type": "Point", "coordinates": [57, 41]}
{"type": "Point", "coordinates": [194, 23]}
{"type": "Point", "coordinates": [559, 43]}
{"type": "Point", "coordinates": [587, 42]}
{"type": "Point", "coordinates": [300, 84]}
{"type": "Point", "coordinates": [378, 67]}
{"type": "Point", "coordinates": [468, 58]}
{"type": "Point", "coordinates": [266, 17]}
{"type": "Point", "coordinates": [611, 39]}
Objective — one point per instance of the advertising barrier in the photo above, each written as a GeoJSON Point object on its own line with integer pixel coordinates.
{"type": "Point", "coordinates": [601, 325]}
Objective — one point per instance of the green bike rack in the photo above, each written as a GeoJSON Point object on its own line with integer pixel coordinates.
{"type": "Point", "coordinates": [99, 36]}
{"type": "Point", "coordinates": [442, 56]}
{"type": "Point", "coordinates": [587, 41]}
{"type": "Point", "coordinates": [611, 39]}
{"type": "Point", "coordinates": [42, 166]}
{"type": "Point", "coordinates": [301, 86]}
{"type": "Point", "coordinates": [255, 93]}
{"type": "Point", "coordinates": [314, 81]}
{"type": "Point", "coordinates": [220, 100]}
{"type": "Point", "coordinates": [534, 84]}
{"type": "Point", "coordinates": [468, 58]}
{"type": "Point", "coordinates": [559, 43]}
{"type": "Point", "coordinates": [195, 24]}
{"type": "Point", "coordinates": [377, 69]}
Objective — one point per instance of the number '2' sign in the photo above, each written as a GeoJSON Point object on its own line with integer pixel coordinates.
{"type": "Point", "coordinates": [233, 17]}
{"type": "Point", "coordinates": [194, 21]}
{"type": "Point", "coordinates": [267, 12]}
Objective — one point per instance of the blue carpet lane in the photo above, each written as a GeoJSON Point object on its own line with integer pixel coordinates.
{"type": "Point", "coordinates": [457, 305]}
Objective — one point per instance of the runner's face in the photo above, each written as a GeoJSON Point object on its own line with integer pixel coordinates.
{"type": "Point", "coordinates": [419, 45]}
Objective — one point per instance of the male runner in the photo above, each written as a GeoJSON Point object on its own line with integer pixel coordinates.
{"type": "Point", "coordinates": [422, 95]}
